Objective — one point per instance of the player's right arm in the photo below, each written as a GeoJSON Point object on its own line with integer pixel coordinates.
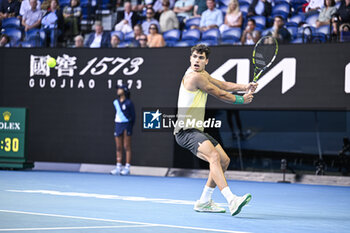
{"type": "Point", "coordinates": [201, 82]}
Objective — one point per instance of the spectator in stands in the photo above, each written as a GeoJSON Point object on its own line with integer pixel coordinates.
{"type": "Point", "coordinates": [53, 23]}
{"type": "Point", "coordinates": [260, 7]}
{"type": "Point", "coordinates": [168, 19]}
{"type": "Point", "coordinates": [5, 41]}
{"type": "Point", "coordinates": [158, 7]}
{"type": "Point", "coordinates": [115, 41]}
{"type": "Point", "coordinates": [211, 18]}
{"type": "Point", "coordinates": [149, 20]}
{"type": "Point", "coordinates": [342, 17]}
{"type": "Point", "coordinates": [313, 7]}
{"type": "Point", "coordinates": [25, 5]}
{"type": "Point", "coordinates": [199, 7]}
{"type": "Point", "coordinates": [184, 10]}
{"type": "Point", "coordinates": [143, 41]}
{"type": "Point", "coordinates": [326, 13]}
{"type": "Point", "coordinates": [250, 36]}
{"type": "Point", "coordinates": [233, 17]}
{"type": "Point", "coordinates": [32, 17]}
{"type": "Point", "coordinates": [99, 38]}
{"type": "Point", "coordinates": [154, 38]}
{"type": "Point", "coordinates": [126, 19]}
{"type": "Point", "coordinates": [72, 16]}
{"type": "Point", "coordinates": [79, 41]}
{"type": "Point", "coordinates": [279, 31]}
{"type": "Point", "coordinates": [137, 32]}
{"type": "Point", "coordinates": [9, 9]}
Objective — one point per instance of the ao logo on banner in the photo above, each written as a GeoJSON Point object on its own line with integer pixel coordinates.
{"type": "Point", "coordinates": [287, 66]}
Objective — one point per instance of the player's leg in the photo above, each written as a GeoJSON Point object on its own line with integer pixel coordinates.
{"type": "Point", "coordinates": [224, 161]}
{"type": "Point", "coordinates": [217, 167]}
{"type": "Point", "coordinates": [127, 148]}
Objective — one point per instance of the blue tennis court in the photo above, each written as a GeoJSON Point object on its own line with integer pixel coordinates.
{"type": "Point", "coordinates": [37, 201]}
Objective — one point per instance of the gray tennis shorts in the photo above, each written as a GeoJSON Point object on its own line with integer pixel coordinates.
{"type": "Point", "coordinates": [190, 139]}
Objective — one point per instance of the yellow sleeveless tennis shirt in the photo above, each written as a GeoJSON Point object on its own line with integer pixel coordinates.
{"type": "Point", "coordinates": [191, 107]}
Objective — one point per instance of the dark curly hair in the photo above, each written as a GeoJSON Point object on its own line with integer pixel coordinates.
{"type": "Point", "coordinates": [201, 48]}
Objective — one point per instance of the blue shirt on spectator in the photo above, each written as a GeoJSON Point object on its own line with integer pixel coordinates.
{"type": "Point", "coordinates": [213, 17]}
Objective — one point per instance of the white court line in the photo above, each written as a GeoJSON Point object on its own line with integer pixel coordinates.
{"type": "Point", "coordinates": [121, 221]}
{"type": "Point", "coordinates": [71, 228]}
{"type": "Point", "coordinates": [108, 196]}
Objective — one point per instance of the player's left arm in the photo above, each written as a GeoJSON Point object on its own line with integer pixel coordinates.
{"type": "Point", "coordinates": [231, 86]}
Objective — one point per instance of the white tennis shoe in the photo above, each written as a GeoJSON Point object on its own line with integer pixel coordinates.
{"type": "Point", "coordinates": [125, 171]}
{"type": "Point", "coordinates": [209, 206]}
{"type": "Point", "coordinates": [116, 171]}
{"type": "Point", "coordinates": [238, 202]}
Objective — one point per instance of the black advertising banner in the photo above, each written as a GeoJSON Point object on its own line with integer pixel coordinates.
{"type": "Point", "coordinates": [70, 106]}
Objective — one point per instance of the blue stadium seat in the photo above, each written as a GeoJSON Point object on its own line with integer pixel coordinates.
{"type": "Point", "coordinates": [171, 37]}
{"type": "Point", "coordinates": [244, 9]}
{"type": "Point", "coordinates": [245, 2]}
{"type": "Point", "coordinates": [211, 35]}
{"type": "Point", "coordinates": [295, 20]}
{"type": "Point", "coordinates": [129, 36]}
{"type": "Point", "coordinates": [184, 44]}
{"type": "Point", "coordinates": [297, 41]}
{"type": "Point", "coordinates": [84, 3]}
{"type": "Point", "coordinates": [14, 34]}
{"type": "Point", "coordinates": [266, 31]}
{"type": "Point", "coordinates": [297, 5]}
{"type": "Point", "coordinates": [119, 34]}
{"type": "Point", "coordinates": [260, 22]}
{"type": "Point", "coordinates": [208, 42]}
{"type": "Point", "coordinates": [64, 3]}
{"type": "Point", "coordinates": [293, 30]}
{"type": "Point", "coordinates": [37, 35]}
{"type": "Point", "coordinates": [224, 2]}
{"type": "Point", "coordinates": [311, 20]}
{"type": "Point", "coordinates": [282, 9]}
{"type": "Point", "coordinates": [192, 22]}
{"type": "Point", "coordinates": [11, 23]}
{"type": "Point", "coordinates": [223, 9]}
{"type": "Point", "coordinates": [231, 36]}
{"type": "Point", "coordinates": [28, 44]}
{"type": "Point", "coordinates": [325, 29]}
{"type": "Point", "coordinates": [319, 38]}
{"type": "Point", "coordinates": [191, 35]}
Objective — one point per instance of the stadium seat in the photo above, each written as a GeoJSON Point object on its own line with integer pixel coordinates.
{"type": "Point", "coordinates": [211, 35]}
{"type": "Point", "coordinates": [244, 9]}
{"type": "Point", "coordinates": [184, 44]}
{"type": "Point", "coordinates": [311, 20]}
{"type": "Point", "coordinates": [245, 2]}
{"type": "Point", "coordinates": [37, 35]}
{"type": "Point", "coordinates": [28, 44]}
{"type": "Point", "coordinates": [297, 41]}
{"type": "Point", "coordinates": [293, 30]}
{"type": "Point", "coordinates": [344, 36]}
{"type": "Point", "coordinates": [129, 36]}
{"type": "Point", "coordinates": [191, 35]}
{"type": "Point", "coordinates": [14, 34]}
{"type": "Point", "coordinates": [119, 34]}
{"type": "Point", "coordinates": [224, 2]}
{"type": "Point", "coordinates": [295, 20]}
{"type": "Point", "coordinates": [282, 9]}
{"type": "Point", "coordinates": [208, 42]}
{"type": "Point", "coordinates": [297, 5]}
{"type": "Point", "coordinates": [171, 37]}
{"type": "Point", "coordinates": [64, 3]}
{"type": "Point", "coordinates": [11, 23]}
{"type": "Point", "coordinates": [266, 31]}
{"type": "Point", "coordinates": [231, 36]}
{"type": "Point", "coordinates": [260, 22]}
{"type": "Point", "coordinates": [223, 9]}
{"type": "Point", "coordinates": [192, 22]}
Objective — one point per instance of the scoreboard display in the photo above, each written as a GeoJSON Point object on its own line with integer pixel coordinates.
{"type": "Point", "coordinates": [12, 137]}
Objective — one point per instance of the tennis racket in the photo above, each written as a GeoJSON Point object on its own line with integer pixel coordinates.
{"type": "Point", "coordinates": [264, 53]}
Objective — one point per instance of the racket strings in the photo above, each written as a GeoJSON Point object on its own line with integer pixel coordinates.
{"type": "Point", "coordinates": [264, 52]}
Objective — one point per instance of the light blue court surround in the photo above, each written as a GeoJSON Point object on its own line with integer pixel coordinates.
{"type": "Point", "coordinates": [82, 202]}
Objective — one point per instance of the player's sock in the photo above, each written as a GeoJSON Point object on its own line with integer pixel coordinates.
{"type": "Point", "coordinates": [206, 194]}
{"type": "Point", "coordinates": [228, 194]}
{"type": "Point", "coordinates": [127, 165]}
{"type": "Point", "coordinates": [119, 165]}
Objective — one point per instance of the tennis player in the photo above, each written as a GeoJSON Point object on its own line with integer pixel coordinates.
{"type": "Point", "coordinates": [124, 122]}
{"type": "Point", "coordinates": [195, 86]}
